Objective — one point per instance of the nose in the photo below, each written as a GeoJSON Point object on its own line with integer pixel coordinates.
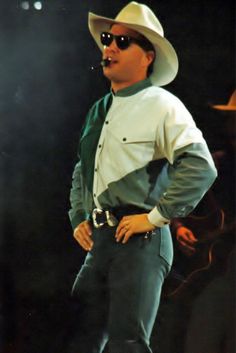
{"type": "Point", "coordinates": [111, 49]}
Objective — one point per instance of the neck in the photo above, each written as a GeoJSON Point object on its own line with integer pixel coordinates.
{"type": "Point", "coordinates": [117, 86]}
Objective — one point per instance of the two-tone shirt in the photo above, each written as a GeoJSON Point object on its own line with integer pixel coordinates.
{"type": "Point", "coordinates": [149, 153]}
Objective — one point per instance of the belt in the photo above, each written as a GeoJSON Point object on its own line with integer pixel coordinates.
{"type": "Point", "coordinates": [111, 217]}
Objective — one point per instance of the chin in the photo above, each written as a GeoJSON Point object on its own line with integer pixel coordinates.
{"type": "Point", "coordinates": [110, 75]}
{"type": "Point", "coordinates": [113, 75]}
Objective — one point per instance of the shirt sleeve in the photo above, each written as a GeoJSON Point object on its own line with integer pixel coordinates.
{"type": "Point", "coordinates": [76, 213]}
{"type": "Point", "coordinates": [190, 176]}
{"type": "Point", "coordinates": [157, 219]}
{"type": "Point", "coordinates": [176, 128]}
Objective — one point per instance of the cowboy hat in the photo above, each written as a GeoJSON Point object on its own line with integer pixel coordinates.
{"type": "Point", "coordinates": [140, 18]}
{"type": "Point", "coordinates": [231, 105]}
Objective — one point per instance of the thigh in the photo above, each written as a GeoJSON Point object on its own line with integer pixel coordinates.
{"type": "Point", "coordinates": [136, 277]}
{"type": "Point", "coordinates": [91, 280]}
{"type": "Point", "coordinates": [90, 298]}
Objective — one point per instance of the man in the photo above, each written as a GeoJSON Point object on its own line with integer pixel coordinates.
{"type": "Point", "coordinates": [199, 315]}
{"type": "Point", "coordinates": [214, 308]}
{"type": "Point", "coordinates": [122, 199]}
{"type": "Point", "coordinates": [222, 195]}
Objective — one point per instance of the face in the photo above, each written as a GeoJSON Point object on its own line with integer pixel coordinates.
{"type": "Point", "coordinates": [230, 128]}
{"type": "Point", "coordinates": [127, 66]}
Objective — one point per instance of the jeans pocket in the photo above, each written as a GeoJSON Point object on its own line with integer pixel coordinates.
{"type": "Point", "coordinates": [166, 245]}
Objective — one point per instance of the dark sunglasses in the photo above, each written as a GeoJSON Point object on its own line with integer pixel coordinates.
{"type": "Point", "coordinates": [122, 41]}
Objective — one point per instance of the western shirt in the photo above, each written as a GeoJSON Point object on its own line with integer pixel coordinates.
{"type": "Point", "coordinates": [147, 152]}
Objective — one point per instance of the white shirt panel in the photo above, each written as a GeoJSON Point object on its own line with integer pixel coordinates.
{"type": "Point", "coordinates": [146, 126]}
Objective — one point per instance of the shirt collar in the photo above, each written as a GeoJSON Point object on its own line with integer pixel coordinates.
{"type": "Point", "coordinates": [135, 88]}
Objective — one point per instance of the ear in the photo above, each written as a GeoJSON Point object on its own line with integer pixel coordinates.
{"type": "Point", "coordinates": [150, 55]}
{"type": "Point", "coordinates": [148, 58]}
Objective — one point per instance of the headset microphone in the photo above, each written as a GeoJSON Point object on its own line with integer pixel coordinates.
{"type": "Point", "coordinates": [104, 63]}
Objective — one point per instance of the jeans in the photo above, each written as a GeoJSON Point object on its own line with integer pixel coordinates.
{"type": "Point", "coordinates": [118, 291]}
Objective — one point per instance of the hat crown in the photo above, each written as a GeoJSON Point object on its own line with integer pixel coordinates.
{"type": "Point", "coordinates": [141, 15]}
{"type": "Point", "coordinates": [231, 105]}
{"type": "Point", "coordinates": [232, 100]}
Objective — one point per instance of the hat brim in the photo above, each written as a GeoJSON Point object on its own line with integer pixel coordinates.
{"type": "Point", "coordinates": [225, 107]}
{"type": "Point", "coordinates": [165, 66]}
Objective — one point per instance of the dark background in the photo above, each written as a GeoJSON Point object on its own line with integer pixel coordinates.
{"type": "Point", "coordinates": [46, 88]}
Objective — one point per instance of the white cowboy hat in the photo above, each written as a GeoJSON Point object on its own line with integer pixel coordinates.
{"type": "Point", "coordinates": [141, 19]}
{"type": "Point", "coordinates": [231, 105]}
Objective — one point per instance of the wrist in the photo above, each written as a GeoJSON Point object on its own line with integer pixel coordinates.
{"type": "Point", "coordinates": [151, 225]}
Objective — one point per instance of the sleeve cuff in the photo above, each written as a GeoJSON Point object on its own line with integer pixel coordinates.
{"type": "Point", "coordinates": [157, 219]}
{"type": "Point", "coordinates": [76, 219]}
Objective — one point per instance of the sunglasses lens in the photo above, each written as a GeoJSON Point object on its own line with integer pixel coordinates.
{"type": "Point", "coordinates": [122, 42]}
{"type": "Point", "coordinates": [106, 38]}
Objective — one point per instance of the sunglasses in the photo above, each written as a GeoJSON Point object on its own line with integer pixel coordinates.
{"type": "Point", "coordinates": [123, 42]}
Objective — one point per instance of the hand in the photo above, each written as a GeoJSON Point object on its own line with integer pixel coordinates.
{"type": "Point", "coordinates": [186, 240]}
{"type": "Point", "coordinates": [130, 225]}
{"type": "Point", "coordinates": [82, 234]}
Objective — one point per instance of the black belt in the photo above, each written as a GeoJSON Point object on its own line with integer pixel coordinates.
{"type": "Point", "coordinates": [112, 216]}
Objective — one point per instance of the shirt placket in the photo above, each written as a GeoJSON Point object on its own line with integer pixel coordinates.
{"type": "Point", "coordinates": [100, 146]}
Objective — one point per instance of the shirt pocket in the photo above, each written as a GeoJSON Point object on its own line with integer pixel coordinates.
{"type": "Point", "coordinates": [136, 148]}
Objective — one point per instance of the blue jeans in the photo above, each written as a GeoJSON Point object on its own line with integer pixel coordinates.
{"type": "Point", "coordinates": [118, 291]}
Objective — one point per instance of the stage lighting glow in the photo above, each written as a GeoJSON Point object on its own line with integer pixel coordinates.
{"type": "Point", "coordinates": [38, 5]}
{"type": "Point", "coordinates": [25, 5]}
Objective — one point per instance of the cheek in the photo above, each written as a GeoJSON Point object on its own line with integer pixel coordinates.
{"type": "Point", "coordinates": [133, 62]}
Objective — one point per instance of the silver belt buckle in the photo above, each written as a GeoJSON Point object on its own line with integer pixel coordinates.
{"type": "Point", "coordinates": [110, 218]}
{"type": "Point", "coordinates": [95, 212]}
